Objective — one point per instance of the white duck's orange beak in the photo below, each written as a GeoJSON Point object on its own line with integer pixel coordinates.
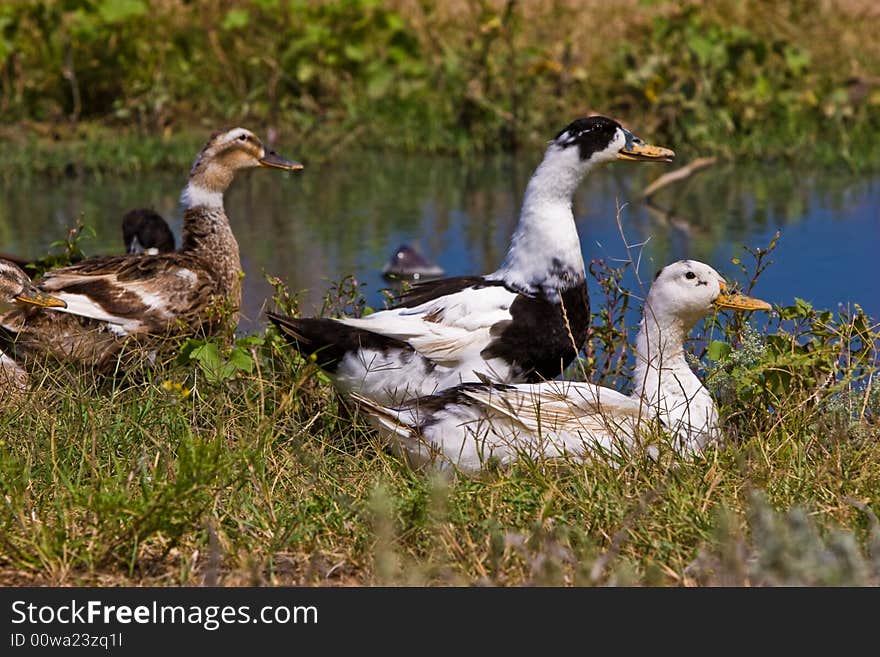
{"type": "Point", "coordinates": [728, 300]}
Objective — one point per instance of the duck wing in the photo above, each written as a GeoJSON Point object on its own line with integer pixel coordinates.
{"type": "Point", "coordinates": [562, 406]}
{"type": "Point", "coordinates": [448, 321]}
{"type": "Point", "coordinates": [133, 294]}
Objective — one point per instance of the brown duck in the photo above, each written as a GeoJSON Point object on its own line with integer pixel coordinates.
{"type": "Point", "coordinates": [17, 291]}
{"type": "Point", "coordinates": [147, 297]}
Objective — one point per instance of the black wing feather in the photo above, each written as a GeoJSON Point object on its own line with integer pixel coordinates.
{"type": "Point", "coordinates": [432, 290]}
{"type": "Point", "coordinates": [330, 340]}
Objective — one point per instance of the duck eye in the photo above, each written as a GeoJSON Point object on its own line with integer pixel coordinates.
{"type": "Point", "coordinates": [690, 275]}
{"type": "Point", "coordinates": [242, 138]}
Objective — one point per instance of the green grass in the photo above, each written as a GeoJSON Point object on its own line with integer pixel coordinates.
{"type": "Point", "coordinates": [260, 475]}
{"type": "Point", "coordinates": [95, 149]}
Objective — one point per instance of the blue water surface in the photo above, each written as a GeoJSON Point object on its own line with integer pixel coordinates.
{"type": "Point", "coordinates": [346, 217]}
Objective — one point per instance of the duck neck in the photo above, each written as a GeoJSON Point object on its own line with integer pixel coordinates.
{"type": "Point", "coordinates": [664, 380]}
{"type": "Point", "coordinates": [659, 353]}
{"type": "Point", "coordinates": [207, 183]}
{"type": "Point", "coordinates": [206, 231]}
{"type": "Point", "coordinates": [545, 252]}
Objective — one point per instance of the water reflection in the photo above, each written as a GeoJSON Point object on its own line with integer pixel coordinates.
{"type": "Point", "coordinates": [313, 227]}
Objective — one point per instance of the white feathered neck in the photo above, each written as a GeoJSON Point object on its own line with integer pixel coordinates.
{"type": "Point", "coordinates": [545, 251]}
{"type": "Point", "coordinates": [663, 378]}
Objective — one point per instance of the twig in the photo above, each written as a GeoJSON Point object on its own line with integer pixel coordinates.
{"type": "Point", "coordinates": [867, 395]}
{"type": "Point", "coordinates": [679, 174]}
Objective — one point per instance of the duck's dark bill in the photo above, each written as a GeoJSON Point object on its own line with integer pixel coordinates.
{"type": "Point", "coordinates": [37, 298]}
{"type": "Point", "coordinates": [646, 152]}
{"type": "Point", "coordinates": [273, 159]}
{"type": "Point", "coordinates": [734, 301]}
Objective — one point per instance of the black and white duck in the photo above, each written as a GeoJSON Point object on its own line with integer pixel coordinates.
{"type": "Point", "coordinates": [145, 231]}
{"type": "Point", "coordinates": [524, 322]}
{"type": "Point", "coordinates": [469, 425]}
{"type": "Point", "coordinates": [147, 297]}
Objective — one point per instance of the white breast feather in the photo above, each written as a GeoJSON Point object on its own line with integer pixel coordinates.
{"type": "Point", "coordinates": [195, 196]}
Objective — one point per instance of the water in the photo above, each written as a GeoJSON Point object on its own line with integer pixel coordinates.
{"type": "Point", "coordinates": [346, 217]}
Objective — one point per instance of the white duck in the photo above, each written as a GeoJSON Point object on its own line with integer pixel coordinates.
{"type": "Point", "coordinates": [468, 425]}
{"type": "Point", "coordinates": [524, 322]}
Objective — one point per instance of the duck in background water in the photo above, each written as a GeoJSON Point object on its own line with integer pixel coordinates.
{"type": "Point", "coordinates": [467, 426]}
{"type": "Point", "coordinates": [112, 299]}
{"type": "Point", "coordinates": [524, 322]}
{"type": "Point", "coordinates": [407, 263]}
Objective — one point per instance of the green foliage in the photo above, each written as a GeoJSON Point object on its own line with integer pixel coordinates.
{"type": "Point", "coordinates": [808, 358]}
{"type": "Point", "coordinates": [735, 86]}
{"type": "Point", "coordinates": [730, 78]}
{"type": "Point", "coordinates": [218, 363]}
{"type": "Point", "coordinates": [718, 350]}
{"type": "Point", "coordinates": [344, 298]}
{"type": "Point", "coordinates": [235, 464]}
{"type": "Point", "coordinates": [606, 353]}
{"type": "Point", "coordinates": [70, 250]}
{"type": "Point", "coordinates": [805, 364]}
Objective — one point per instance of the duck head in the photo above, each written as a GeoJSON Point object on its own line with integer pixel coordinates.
{"type": "Point", "coordinates": [598, 139]}
{"type": "Point", "coordinates": [16, 289]}
{"type": "Point", "coordinates": [226, 153]}
{"type": "Point", "coordinates": [689, 290]}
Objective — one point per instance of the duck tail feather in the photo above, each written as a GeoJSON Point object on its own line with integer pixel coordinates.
{"type": "Point", "coordinates": [383, 417]}
{"type": "Point", "coordinates": [331, 340]}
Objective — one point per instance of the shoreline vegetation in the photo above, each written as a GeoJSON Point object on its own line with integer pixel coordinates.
{"type": "Point", "coordinates": [234, 462]}
{"type": "Point", "coordinates": [133, 85]}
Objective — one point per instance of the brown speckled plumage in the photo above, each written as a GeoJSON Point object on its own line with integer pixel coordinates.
{"type": "Point", "coordinates": [17, 291]}
{"type": "Point", "coordinates": [145, 298]}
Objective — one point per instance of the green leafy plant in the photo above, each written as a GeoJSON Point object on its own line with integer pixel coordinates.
{"type": "Point", "coordinates": [606, 354]}
{"type": "Point", "coordinates": [68, 251]}
{"type": "Point", "coordinates": [803, 360]}
{"type": "Point", "coordinates": [733, 78]}
{"type": "Point", "coordinates": [219, 363]}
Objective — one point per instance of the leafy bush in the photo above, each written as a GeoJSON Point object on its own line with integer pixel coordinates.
{"type": "Point", "coordinates": [729, 77]}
